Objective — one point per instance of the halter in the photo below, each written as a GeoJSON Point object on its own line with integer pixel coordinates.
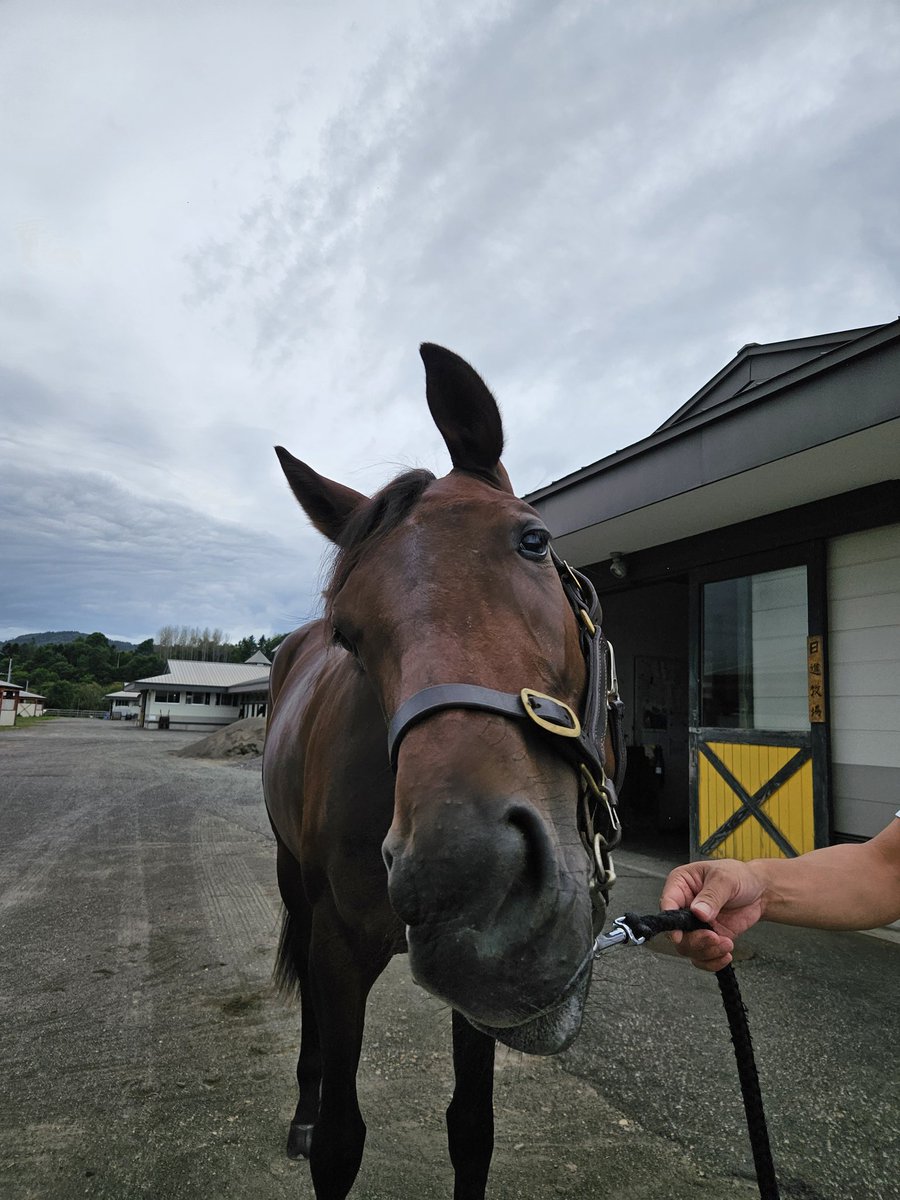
{"type": "Point", "coordinates": [579, 740]}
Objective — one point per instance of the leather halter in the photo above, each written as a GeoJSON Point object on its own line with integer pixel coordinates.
{"type": "Point", "coordinates": [578, 739]}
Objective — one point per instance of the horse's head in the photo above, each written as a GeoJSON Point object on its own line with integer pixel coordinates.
{"type": "Point", "coordinates": [451, 581]}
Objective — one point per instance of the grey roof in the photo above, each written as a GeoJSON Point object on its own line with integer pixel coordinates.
{"type": "Point", "coordinates": [827, 425]}
{"type": "Point", "coordinates": [260, 659]}
{"type": "Point", "coordinates": [758, 362]}
{"type": "Point", "coordinates": [122, 696]}
{"type": "Point", "coordinates": [183, 673]}
{"type": "Point", "coordinates": [260, 684]}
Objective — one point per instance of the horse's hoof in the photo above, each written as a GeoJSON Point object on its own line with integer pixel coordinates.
{"type": "Point", "coordinates": [299, 1140]}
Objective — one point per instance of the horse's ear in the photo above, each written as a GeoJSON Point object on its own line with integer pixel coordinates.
{"type": "Point", "coordinates": [465, 412]}
{"type": "Point", "coordinates": [328, 505]}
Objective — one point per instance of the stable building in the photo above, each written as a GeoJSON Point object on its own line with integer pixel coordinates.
{"type": "Point", "coordinates": [124, 705]}
{"type": "Point", "coordinates": [10, 694]}
{"type": "Point", "coordinates": [201, 696]}
{"type": "Point", "coordinates": [747, 557]}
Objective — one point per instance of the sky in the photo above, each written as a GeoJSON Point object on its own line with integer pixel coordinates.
{"type": "Point", "coordinates": [225, 226]}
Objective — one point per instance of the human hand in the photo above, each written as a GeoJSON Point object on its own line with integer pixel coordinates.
{"type": "Point", "coordinates": [723, 892]}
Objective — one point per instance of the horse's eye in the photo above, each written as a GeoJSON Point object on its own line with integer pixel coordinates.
{"type": "Point", "coordinates": [339, 640]}
{"type": "Point", "coordinates": [534, 543]}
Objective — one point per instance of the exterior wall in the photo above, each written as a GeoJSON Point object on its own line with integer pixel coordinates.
{"type": "Point", "coordinates": [8, 706]}
{"type": "Point", "coordinates": [202, 717]}
{"type": "Point", "coordinates": [198, 717]}
{"type": "Point", "coordinates": [864, 672]}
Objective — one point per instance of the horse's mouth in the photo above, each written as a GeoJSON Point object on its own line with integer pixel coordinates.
{"type": "Point", "coordinates": [553, 1030]}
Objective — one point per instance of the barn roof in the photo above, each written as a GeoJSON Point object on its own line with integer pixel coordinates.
{"type": "Point", "coordinates": [187, 673]}
{"type": "Point", "coordinates": [779, 426]}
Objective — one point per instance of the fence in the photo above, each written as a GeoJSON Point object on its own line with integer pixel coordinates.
{"type": "Point", "coordinates": [93, 714]}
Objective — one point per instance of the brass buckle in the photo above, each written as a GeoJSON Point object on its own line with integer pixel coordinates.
{"type": "Point", "coordinates": [574, 578]}
{"type": "Point", "coordinates": [528, 694]}
{"type": "Point", "coordinates": [587, 622]}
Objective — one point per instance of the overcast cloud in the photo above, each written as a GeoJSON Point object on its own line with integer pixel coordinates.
{"type": "Point", "coordinates": [228, 225]}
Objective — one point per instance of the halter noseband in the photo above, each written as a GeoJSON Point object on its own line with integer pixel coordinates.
{"type": "Point", "coordinates": [580, 740]}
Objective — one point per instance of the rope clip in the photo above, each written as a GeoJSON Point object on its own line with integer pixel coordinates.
{"type": "Point", "coordinates": [620, 936]}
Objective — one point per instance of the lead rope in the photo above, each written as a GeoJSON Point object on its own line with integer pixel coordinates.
{"type": "Point", "coordinates": [634, 930]}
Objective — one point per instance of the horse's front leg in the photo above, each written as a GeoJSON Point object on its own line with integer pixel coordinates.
{"type": "Point", "coordinates": [470, 1117]}
{"type": "Point", "coordinates": [342, 973]}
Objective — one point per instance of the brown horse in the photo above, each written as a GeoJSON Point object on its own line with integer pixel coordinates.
{"type": "Point", "coordinates": [470, 840]}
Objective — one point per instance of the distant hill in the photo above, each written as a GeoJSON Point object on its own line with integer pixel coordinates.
{"type": "Point", "coordinates": [60, 637]}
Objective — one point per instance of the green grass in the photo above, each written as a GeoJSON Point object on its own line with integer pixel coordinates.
{"type": "Point", "coordinates": [24, 722]}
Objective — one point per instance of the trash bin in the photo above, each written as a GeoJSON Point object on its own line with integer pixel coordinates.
{"type": "Point", "coordinates": [163, 723]}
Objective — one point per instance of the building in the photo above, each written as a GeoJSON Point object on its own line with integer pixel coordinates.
{"type": "Point", "coordinates": [31, 704]}
{"type": "Point", "coordinates": [124, 705]}
{"type": "Point", "coordinates": [747, 557]}
{"type": "Point", "coordinates": [203, 695]}
{"type": "Point", "coordinates": [9, 702]}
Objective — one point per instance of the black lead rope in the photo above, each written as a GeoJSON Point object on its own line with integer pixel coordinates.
{"type": "Point", "coordinates": [635, 929]}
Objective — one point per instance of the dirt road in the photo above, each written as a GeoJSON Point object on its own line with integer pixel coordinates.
{"type": "Point", "coordinates": [145, 1055]}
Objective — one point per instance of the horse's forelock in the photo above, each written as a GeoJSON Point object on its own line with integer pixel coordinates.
{"type": "Point", "coordinates": [371, 523]}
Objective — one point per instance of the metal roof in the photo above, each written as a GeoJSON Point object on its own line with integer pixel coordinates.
{"type": "Point", "coordinates": [254, 685]}
{"type": "Point", "coordinates": [826, 426]}
{"type": "Point", "coordinates": [184, 673]}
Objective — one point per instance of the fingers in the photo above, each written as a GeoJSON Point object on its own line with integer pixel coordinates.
{"type": "Point", "coordinates": [707, 950]}
{"type": "Point", "coordinates": [679, 889]}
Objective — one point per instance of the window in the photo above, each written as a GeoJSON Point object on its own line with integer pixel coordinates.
{"type": "Point", "coordinates": [754, 652]}
{"type": "Point", "coordinates": [228, 701]}
{"type": "Point", "coordinates": [196, 697]}
{"type": "Point", "coordinates": [167, 697]}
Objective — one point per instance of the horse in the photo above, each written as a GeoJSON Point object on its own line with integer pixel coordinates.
{"type": "Point", "coordinates": [439, 775]}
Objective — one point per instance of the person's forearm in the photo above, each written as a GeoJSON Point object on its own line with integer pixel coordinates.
{"type": "Point", "coordinates": [838, 887]}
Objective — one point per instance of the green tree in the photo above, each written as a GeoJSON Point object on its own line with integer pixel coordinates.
{"type": "Point", "coordinates": [61, 694]}
{"type": "Point", "coordinates": [89, 696]}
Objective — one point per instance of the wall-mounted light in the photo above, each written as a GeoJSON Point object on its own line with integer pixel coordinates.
{"type": "Point", "coordinates": [617, 564]}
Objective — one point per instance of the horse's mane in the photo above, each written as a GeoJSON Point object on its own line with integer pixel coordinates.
{"type": "Point", "coordinates": [371, 523]}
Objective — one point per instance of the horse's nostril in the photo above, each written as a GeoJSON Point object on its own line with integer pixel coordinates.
{"type": "Point", "coordinates": [539, 863]}
{"type": "Point", "coordinates": [387, 856]}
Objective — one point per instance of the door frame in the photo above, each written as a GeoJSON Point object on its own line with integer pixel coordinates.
{"type": "Point", "coordinates": [811, 555]}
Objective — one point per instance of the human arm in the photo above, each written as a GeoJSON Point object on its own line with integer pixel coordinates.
{"type": "Point", "coordinates": [839, 887]}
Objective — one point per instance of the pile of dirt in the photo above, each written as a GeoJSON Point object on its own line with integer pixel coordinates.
{"type": "Point", "coordinates": [243, 738]}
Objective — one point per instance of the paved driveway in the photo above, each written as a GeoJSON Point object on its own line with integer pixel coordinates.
{"type": "Point", "coordinates": [144, 1053]}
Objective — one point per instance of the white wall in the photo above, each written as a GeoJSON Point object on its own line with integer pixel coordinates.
{"type": "Point", "coordinates": [192, 716]}
{"type": "Point", "coordinates": [864, 678]}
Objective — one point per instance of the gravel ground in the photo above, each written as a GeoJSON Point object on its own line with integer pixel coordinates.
{"type": "Point", "coordinates": [145, 1053]}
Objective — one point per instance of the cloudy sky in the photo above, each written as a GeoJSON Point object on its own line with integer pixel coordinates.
{"type": "Point", "coordinates": [227, 225]}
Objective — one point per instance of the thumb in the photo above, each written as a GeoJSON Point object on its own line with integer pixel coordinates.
{"type": "Point", "coordinates": [707, 903]}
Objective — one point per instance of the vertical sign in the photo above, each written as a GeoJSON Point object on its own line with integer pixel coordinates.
{"type": "Point", "coordinates": [815, 672]}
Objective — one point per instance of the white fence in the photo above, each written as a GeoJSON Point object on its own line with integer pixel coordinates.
{"type": "Point", "coordinates": [93, 714]}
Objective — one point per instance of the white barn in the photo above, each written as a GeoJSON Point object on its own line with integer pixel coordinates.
{"type": "Point", "coordinates": [203, 695]}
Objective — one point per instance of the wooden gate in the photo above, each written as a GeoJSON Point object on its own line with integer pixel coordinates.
{"type": "Point", "coordinates": [754, 793]}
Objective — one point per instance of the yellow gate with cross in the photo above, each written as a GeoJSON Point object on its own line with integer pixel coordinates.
{"type": "Point", "coordinates": [755, 794]}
